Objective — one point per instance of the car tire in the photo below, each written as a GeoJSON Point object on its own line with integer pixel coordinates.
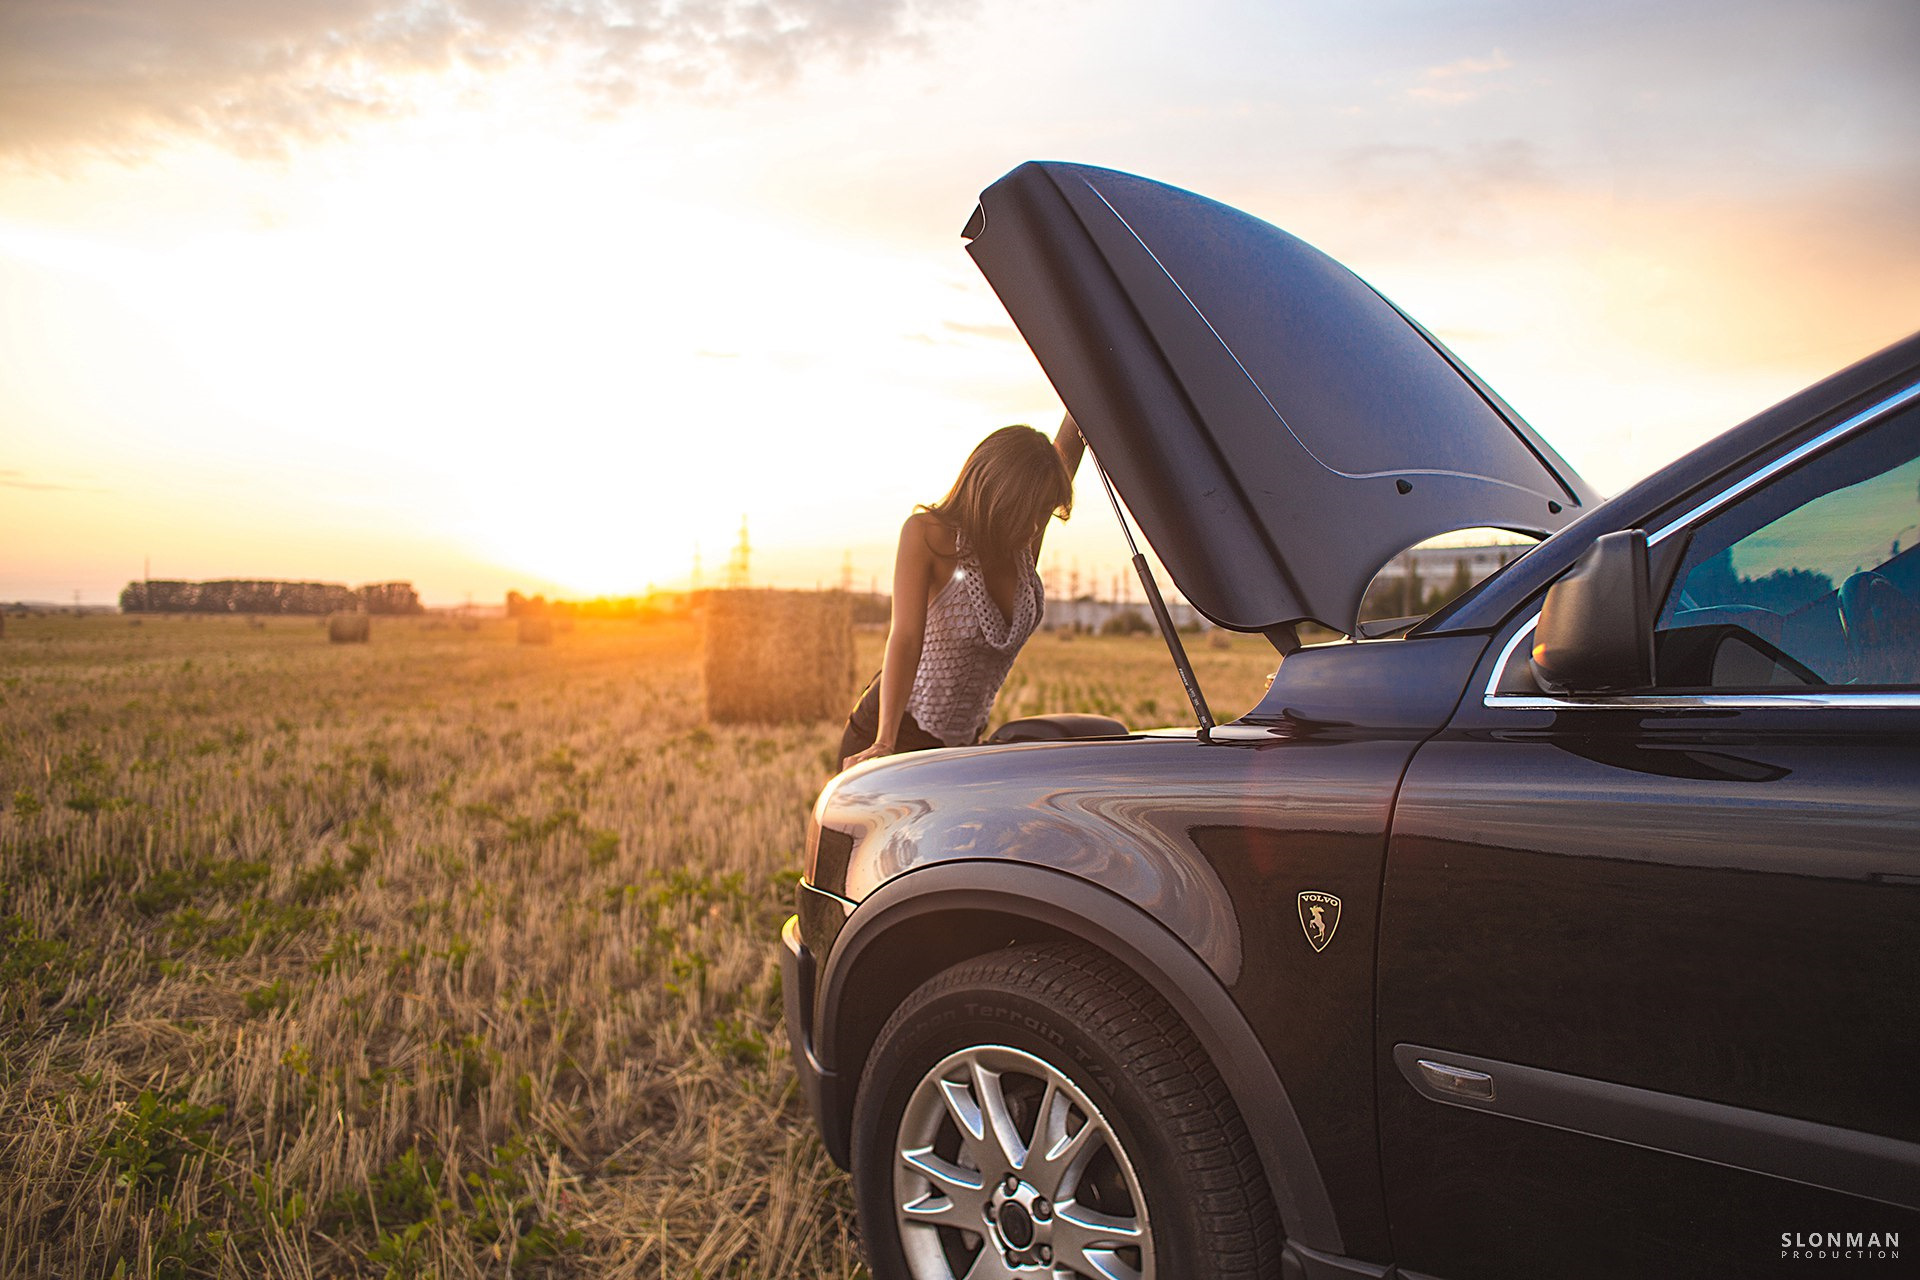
{"type": "Point", "coordinates": [1043, 1111]}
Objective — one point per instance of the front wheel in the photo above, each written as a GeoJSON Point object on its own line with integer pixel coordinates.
{"type": "Point", "coordinates": [1043, 1112]}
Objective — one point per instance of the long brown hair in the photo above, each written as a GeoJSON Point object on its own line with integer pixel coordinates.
{"type": "Point", "coordinates": [1011, 483]}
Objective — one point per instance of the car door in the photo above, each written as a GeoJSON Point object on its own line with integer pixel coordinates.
{"type": "Point", "coordinates": [1650, 965]}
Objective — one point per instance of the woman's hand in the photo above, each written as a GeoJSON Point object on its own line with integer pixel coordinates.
{"type": "Point", "coordinates": [873, 752]}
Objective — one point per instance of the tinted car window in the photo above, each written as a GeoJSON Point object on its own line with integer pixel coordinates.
{"type": "Point", "coordinates": [1810, 581]}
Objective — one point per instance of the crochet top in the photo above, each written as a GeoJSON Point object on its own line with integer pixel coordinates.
{"type": "Point", "coordinates": [968, 648]}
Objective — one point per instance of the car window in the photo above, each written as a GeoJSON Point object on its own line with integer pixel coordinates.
{"type": "Point", "coordinates": [1810, 581]}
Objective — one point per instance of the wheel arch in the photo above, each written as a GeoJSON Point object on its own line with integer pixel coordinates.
{"type": "Point", "coordinates": [937, 916]}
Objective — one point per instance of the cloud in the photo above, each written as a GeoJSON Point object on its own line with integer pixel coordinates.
{"type": "Point", "coordinates": [992, 332]}
{"type": "Point", "coordinates": [123, 75]}
{"type": "Point", "coordinates": [1460, 81]}
{"type": "Point", "coordinates": [15, 479]}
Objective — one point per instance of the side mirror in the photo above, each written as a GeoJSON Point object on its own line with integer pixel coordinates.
{"type": "Point", "coordinates": [1595, 633]}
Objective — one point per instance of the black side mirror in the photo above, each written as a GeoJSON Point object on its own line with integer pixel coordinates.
{"type": "Point", "coordinates": [1595, 633]}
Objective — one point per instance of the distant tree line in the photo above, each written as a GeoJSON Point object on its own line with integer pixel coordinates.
{"type": "Point", "coordinates": [1409, 597]}
{"type": "Point", "coordinates": [538, 606]}
{"type": "Point", "coordinates": [867, 607]}
{"type": "Point", "coordinates": [246, 596]}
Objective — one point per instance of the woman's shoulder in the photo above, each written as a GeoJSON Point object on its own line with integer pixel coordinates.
{"type": "Point", "coordinates": [930, 531]}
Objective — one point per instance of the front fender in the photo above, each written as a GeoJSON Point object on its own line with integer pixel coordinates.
{"type": "Point", "coordinates": [1097, 811]}
{"type": "Point", "coordinates": [900, 917]}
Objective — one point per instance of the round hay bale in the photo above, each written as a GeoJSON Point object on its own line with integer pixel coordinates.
{"type": "Point", "coordinates": [773, 656]}
{"type": "Point", "coordinates": [348, 628]}
{"type": "Point", "coordinates": [536, 631]}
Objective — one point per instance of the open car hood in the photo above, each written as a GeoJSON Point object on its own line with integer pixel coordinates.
{"type": "Point", "coordinates": [1278, 429]}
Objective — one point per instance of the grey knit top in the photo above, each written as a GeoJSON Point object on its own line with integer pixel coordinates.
{"type": "Point", "coordinates": [968, 648]}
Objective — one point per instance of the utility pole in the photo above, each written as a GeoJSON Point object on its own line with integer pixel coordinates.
{"type": "Point", "coordinates": [693, 582]}
{"type": "Point", "coordinates": [738, 563]}
{"type": "Point", "coordinates": [846, 571]}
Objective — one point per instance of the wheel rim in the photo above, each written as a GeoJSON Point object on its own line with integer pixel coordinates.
{"type": "Point", "coordinates": [1004, 1167]}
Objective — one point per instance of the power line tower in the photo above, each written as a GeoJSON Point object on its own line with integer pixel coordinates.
{"type": "Point", "coordinates": [737, 562]}
{"type": "Point", "coordinates": [846, 571]}
{"type": "Point", "coordinates": [693, 583]}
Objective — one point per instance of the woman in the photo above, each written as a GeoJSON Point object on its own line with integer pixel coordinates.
{"type": "Point", "coordinates": [966, 595]}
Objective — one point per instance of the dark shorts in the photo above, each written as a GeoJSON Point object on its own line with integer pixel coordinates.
{"type": "Point", "coordinates": [865, 722]}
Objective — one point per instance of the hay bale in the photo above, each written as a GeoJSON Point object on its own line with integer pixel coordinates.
{"type": "Point", "coordinates": [1217, 639]}
{"type": "Point", "coordinates": [778, 655]}
{"type": "Point", "coordinates": [536, 630]}
{"type": "Point", "coordinates": [348, 628]}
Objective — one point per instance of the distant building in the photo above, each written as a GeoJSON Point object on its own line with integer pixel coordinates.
{"type": "Point", "coordinates": [1438, 565]}
{"type": "Point", "coordinates": [1091, 615]}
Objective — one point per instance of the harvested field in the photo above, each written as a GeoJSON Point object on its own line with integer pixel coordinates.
{"type": "Point", "coordinates": [441, 956]}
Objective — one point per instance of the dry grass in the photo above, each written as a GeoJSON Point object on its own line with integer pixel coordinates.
{"type": "Point", "coordinates": [445, 956]}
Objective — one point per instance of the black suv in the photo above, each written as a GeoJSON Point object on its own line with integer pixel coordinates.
{"type": "Point", "coordinates": [1571, 931]}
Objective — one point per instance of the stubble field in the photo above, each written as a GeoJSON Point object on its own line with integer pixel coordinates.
{"type": "Point", "coordinates": [439, 956]}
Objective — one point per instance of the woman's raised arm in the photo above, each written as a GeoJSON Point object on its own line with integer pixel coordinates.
{"type": "Point", "coordinates": [1068, 442]}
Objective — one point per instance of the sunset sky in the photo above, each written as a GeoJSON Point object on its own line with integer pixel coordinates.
{"type": "Point", "coordinates": [547, 295]}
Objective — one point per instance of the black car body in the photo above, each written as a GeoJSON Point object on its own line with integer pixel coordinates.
{"type": "Point", "coordinates": [1584, 945]}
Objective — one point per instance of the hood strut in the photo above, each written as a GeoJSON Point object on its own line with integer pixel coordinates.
{"type": "Point", "coordinates": [1160, 615]}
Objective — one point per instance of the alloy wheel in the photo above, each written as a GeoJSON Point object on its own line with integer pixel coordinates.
{"type": "Point", "coordinates": [1003, 1168]}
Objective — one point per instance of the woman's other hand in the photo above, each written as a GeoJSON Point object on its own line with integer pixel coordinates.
{"type": "Point", "coordinates": [873, 752]}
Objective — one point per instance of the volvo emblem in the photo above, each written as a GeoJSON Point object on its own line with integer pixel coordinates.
{"type": "Point", "coordinates": [1319, 916]}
